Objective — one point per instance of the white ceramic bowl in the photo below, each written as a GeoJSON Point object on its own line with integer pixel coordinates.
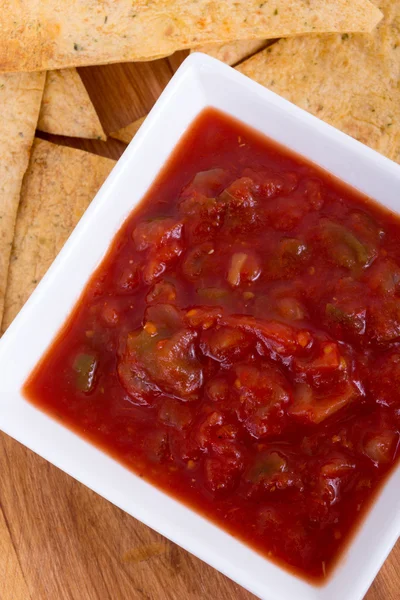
{"type": "Point", "coordinates": [201, 81]}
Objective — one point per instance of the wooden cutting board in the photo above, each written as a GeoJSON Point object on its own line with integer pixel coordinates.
{"type": "Point", "coordinates": [59, 540]}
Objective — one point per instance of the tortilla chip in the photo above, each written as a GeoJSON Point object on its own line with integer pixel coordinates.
{"type": "Point", "coordinates": [127, 133]}
{"type": "Point", "coordinates": [66, 107]}
{"type": "Point", "coordinates": [52, 35]}
{"type": "Point", "coordinates": [58, 187]}
{"type": "Point", "coordinates": [349, 81]}
{"type": "Point", "coordinates": [20, 98]}
{"type": "Point", "coordinates": [233, 52]}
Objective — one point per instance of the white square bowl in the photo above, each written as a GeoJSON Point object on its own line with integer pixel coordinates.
{"type": "Point", "coordinates": [200, 82]}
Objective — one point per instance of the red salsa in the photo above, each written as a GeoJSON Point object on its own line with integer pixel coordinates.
{"type": "Point", "coordinates": [239, 346]}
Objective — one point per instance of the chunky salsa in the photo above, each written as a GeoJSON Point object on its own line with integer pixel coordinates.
{"type": "Point", "coordinates": [239, 346]}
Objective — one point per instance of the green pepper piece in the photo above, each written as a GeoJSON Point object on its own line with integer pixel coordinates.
{"type": "Point", "coordinates": [346, 319]}
{"type": "Point", "coordinates": [266, 466]}
{"type": "Point", "coordinates": [361, 252]}
{"type": "Point", "coordinates": [85, 367]}
{"type": "Point", "coordinates": [345, 248]}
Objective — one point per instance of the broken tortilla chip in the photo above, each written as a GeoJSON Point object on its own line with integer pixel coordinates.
{"type": "Point", "coordinates": [66, 107]}
{"type": "Point", "coordinates": [20, 98]}
{"type": "Point", "coordinates": [58, 186]}
{"type": "Point", "coordinates": [233, 53]}
{"type": "Point", "coordinates": [127, 133]}
{"type": "Point", "coordinates": [49, 35]}
{"type": "Point", "coordinates": [349, 81]}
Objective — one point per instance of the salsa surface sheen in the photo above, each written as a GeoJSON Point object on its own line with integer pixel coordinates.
{"type": "Point", "coordinates": [239, 346]}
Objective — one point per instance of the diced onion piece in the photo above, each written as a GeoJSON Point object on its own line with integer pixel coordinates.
{"type": "Point", "coordinates": [243, 267]}
{"type": "Point", "coordinates": [381, 447]}
{"type": "Point", "coordinates": [237, 262]}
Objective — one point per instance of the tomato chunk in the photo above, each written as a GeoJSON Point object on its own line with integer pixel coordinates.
{"type": "Point", "coordinates": [157, 232]}
{"type": "Point", "coordinates": [241, 204]}
{"type": "Point", "coordinates": [263, 397]}
{"type": "Point", "coordinates": [161, 357]}
{"type": "Point", "coordinates": [161, 238]}
{"type": "Point", "coordinates": [383, 277]}
{"type": "Point", "coordinates": [282, 339]}
{"type": "Point", "coordinates": [327, 359]}
{"type": "Point", "coordinates": [218, 389]}
{"type": "Point", "coordinates": [225, 343]}
{"type": "Point", "coordinates": [384, 320]}
{"type": "Point", "coordinates": [175, 413]}
{"type": "Point", "coordinates": [333, 477]}
{"type": "Point", "coordinates": [222, 474]}
{"type": "Point", "coordinates": [269, 184]}
{"type": "Point", "coordinates": [384, 380]}
{"type": "Point", "coordinates": [203, 217]}
{"type": "Point", "coordinates": [311, 406]}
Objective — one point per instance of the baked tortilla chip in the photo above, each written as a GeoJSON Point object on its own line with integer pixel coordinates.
{"type": "Point", "coordinates": [66, 107]}
{"type": "Point", "coordinates": [127, 133]}
{"type": "Point", "coordinates": [53, 35]}
{"type": "Point", "coordinates": [58, 187]}
{"type": "Point", "coordinates": [20, 98]}
{"type": "Point", "coordinates": [349, 81]}
{"type": "Point", "coordinates": [233, 53]}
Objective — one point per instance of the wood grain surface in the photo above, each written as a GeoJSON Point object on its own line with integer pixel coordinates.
{"type": "Point", "coordinates": [59, 540]}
